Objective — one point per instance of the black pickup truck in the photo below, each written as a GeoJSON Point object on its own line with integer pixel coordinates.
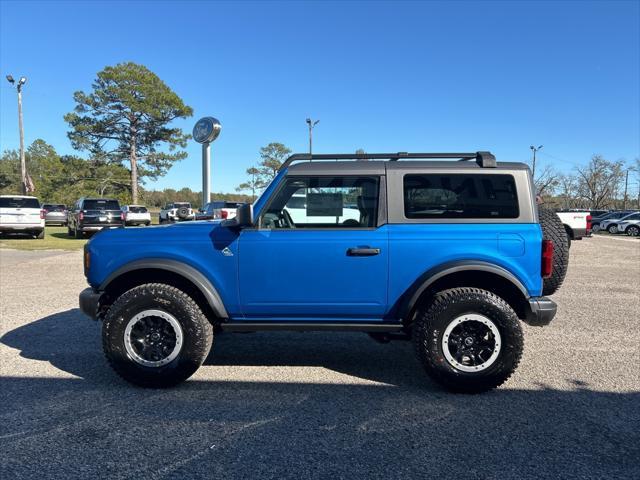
{"type": "Point", "coordinates": [92, 215]}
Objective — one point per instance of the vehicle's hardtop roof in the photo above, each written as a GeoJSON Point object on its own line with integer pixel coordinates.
{"type": "Point", "coordinates": [100, 198]}
{"type": "Point", "coordinates": [376, 167]}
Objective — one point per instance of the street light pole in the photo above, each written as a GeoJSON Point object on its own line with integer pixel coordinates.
{"type": "Point", "coordinates": [23, 164]}
{"type": "Point", "coordinates": [533, 166]}
{"type": "Point", "coordinates": [311, 124]}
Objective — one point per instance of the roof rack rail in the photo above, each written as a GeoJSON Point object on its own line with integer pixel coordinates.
{"type": "Point", "coordinates": [484, 159]}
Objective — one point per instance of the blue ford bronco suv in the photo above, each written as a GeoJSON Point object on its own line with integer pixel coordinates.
{"type": "Point", "coordinates": [450, 254]}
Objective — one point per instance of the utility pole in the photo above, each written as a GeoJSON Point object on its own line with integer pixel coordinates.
{"type": "Point", "coordinates": [533, 166]}
{"type": "Point", "coordinates": [311, 124]}
{"type": "Point", "coordinates": [626, 184]}
{"type": "Point", "coordinates": [23, 164]}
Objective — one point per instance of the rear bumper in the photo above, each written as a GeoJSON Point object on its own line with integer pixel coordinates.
{"type": "Point", "coordinates": [21, 227]}
{"type": "Point", "coordinates": [541, 311]}
{"type": "Point", "coordinates": [98, 227]}
{"type": "Point", "coordinates": [90, 302]}
{"type": "Point", "coordinates": [578, 233]}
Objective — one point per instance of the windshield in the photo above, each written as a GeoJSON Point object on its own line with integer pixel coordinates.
{"type": "Point", "coordinates": [101, 204]}
{"type": "Point", "coordinates": [19, 202]}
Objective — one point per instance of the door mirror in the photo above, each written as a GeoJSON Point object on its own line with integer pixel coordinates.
{"type": "Point", "coordinates": [244, 215]}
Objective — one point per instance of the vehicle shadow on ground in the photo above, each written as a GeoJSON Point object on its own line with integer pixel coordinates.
{"type": "Point", "coordinates": [403, 427]}
{"type": "Point", "coordinates": [71, 343]}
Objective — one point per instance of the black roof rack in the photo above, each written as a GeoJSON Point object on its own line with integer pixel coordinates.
{"type": "Point", "coordinates": [484, 159]}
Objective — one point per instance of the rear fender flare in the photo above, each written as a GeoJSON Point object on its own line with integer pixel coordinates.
{"type": "Point", "coordinates": [410, 298]}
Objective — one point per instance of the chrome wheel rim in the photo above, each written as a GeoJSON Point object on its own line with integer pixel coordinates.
{"type": "Point", "coordinates": [153, 338]}
{"type": "Point", "coordinates": [471, 343]}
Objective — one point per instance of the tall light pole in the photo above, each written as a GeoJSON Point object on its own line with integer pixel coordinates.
{"type": "Point", "coordinates": [23, 165]}
{"type": "Point", "coordinates": [311, 124]}
{"type": "Point", "coordinates": [533, 166]}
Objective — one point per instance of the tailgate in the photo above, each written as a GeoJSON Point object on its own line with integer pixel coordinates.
{"type": "Point", "coordinates": [14, 216]}
{"type": "Point", "coordinates": [98, 217]}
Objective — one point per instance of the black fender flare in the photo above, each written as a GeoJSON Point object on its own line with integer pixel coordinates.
{"type": "Point", "coordinates": [408, 300]}
{"type": "Point", "coordinates": [187, 271]}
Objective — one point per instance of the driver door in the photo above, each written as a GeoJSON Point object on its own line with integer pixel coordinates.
{"type": "Point", "coordinates": [318, 253]}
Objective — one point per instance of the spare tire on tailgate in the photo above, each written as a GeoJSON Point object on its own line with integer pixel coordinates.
{"type": "Point", "coordinates": [183, 212]}
{"type": "Point", "coordinates": [553, 229]}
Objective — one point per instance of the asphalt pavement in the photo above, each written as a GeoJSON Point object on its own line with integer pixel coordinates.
{"type": "Point", "coordinates": [321, 405]}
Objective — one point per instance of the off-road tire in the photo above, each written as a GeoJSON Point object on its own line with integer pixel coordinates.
{"type": "Point", "coordinates": [40, 235]}
{"type": "Point", "coordinates": [430, 325]}
{"type": "Point", "coordinates": [553, 229]}
{"type": "Point", "coordinates": [196, 329]}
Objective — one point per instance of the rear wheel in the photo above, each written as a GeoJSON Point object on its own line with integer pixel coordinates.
{"type": "Point", "coordinates": [633, 230]}
{"type": "Point", "coordinates": [155, 335]}
{"type": "Point", "coordinates": [468, 340]}
{"type": "Point", "coordinates": [40, 235]}
{"type": "Point", "coordinates": [553, 229]}
{"type": "Point", "coordinates": [612, 229]}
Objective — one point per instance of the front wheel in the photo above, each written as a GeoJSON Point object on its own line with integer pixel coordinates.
{"type": "Point", "coordinates": [469, 340]}
{"type": "Point", "coordinates": [633, 231]}
{"type": "Point", "coordinates": [156, 336]}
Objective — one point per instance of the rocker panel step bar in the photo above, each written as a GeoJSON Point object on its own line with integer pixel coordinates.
{"type": "Point", "coordinates": [309, 326]}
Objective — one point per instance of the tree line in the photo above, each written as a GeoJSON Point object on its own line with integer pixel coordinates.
{"type": "Point", "coordinates": [599, 185]}
{"type": "Point", "coordinates": [65, 178]}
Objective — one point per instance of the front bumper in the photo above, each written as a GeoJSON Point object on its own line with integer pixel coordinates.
{"type": "Point", "coordinates": [541, 311]}
{"type": "Point", "coordinates": [90, 302]}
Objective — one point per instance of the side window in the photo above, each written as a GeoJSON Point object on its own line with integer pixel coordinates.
{"type": "Point", "coordinates": [460, 196]}
{"type": "Point", "coordinates": [324, 202]}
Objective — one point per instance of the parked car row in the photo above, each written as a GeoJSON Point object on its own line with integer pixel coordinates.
{"type": "Point", "coordinates": [623, 221]}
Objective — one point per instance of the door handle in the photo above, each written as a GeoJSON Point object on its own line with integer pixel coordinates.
{"type": "Point", "coordinates": [362, 252]}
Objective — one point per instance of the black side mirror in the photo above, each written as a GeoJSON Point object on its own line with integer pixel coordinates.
{"type": "Point", "coordinates": [244, 216]}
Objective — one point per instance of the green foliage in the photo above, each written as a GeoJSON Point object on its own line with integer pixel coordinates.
{"type": "Point", "coordinates": [126, 118]}
{"type": "Point", "coordinates": [254, 184]}
{"type": "Point", "coordinates": [272, 157]}
{"type": "Point", "coordinates": [62, 179]}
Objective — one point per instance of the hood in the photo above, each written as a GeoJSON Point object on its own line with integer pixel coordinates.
{"type": "Point", "coordinates": [176, 232]}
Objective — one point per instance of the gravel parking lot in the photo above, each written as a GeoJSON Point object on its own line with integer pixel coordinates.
{"type": "Point", "coordinates": [321, 405]}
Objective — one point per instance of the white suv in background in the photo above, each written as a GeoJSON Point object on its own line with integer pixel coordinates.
{"type": "Point", "coordinates": [177, 212]}
{"type": "Point", "coordinates": [136, 215]}
{"type": "Point", "coordinates": [21, 214]}
{"type": "Point", "coordinates": [217, 209]}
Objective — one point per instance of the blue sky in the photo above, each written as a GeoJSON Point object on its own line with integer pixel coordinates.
{"type": "Point", "coordinates": [382, 76]}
